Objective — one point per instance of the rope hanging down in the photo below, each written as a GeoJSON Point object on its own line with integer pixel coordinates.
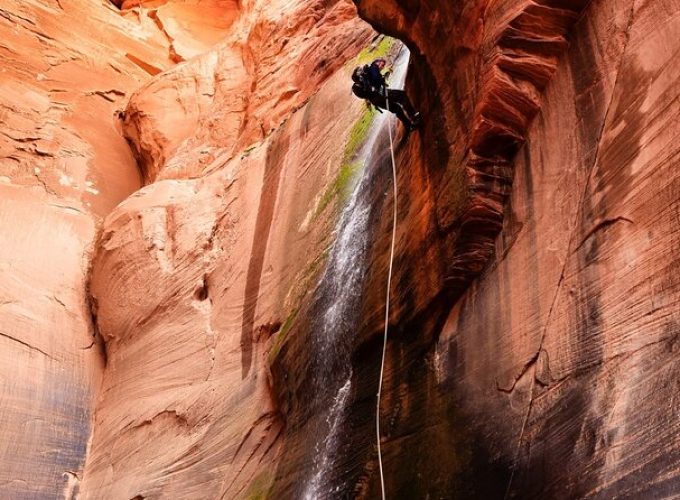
{"type": "Point", "coordinates": [387, 300]}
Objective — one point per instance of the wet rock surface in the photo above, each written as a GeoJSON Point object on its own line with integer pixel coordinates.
{"type": "Point", "coordinates": [554, 374]}
{"type": "Point", "coordinates": [198, 276]}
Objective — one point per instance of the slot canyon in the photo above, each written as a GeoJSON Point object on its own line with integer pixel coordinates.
{"type": "Point", "coordinates": [196, 218]}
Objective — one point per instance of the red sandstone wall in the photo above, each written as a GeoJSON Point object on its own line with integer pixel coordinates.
{"type": "Point", "coordinates": [566, 348]}
{"type": "Point", "coordinates": [196, 274]}
{"type": "Point", "coordinates": [555, 374]}
{"type": "Point", "coordinates": [534, 327]}
{"type": "Point", "coordinates": [64, 164]}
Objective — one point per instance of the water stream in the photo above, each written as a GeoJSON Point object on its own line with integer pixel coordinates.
{"type": "Point", "coordinates": [336, 305]}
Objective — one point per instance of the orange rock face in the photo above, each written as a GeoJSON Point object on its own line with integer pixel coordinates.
{"type": "Point", "coordinates": [64, 163]}
{"type": "Point", "coordinates": [535, 324]}
{"type": "Point", "coordinates": [195, 272]}
{"type": "Point", "coordinates": [51, 364]}
{"type": "Point", "coordinates": [171, 179]}
{"type": "Point", "coordinates": [69, 69]}
{"type": "Point", "coordinates": [230, 98]}
{"type": "Point", "coordinates": [186, 407]}
{"type": "Point", "coordinates": [188, 27]}
{"type": "Point", "coordinates": [63, 80]}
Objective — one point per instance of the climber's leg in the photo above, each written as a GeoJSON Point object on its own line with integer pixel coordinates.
{"type": "Point", "coordinates": [378, 101]}
{"type": "Point", "coordinates": [395, 106]}
{"type": "Point", "coordinates": [398, 110]}
{"type": "Point", "coordinates": [400, 97]}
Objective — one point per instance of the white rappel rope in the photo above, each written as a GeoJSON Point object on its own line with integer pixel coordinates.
{"type": "Point", "coordinates": [387, 300]}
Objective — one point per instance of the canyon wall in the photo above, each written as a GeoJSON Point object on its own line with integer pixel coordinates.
{"type": "Point", "coordinates": [73, 333]}
{"type": "Point", "coordinates": [191, 281]}
{"type": "Point", "coordinates": [172, 173]}
{"type": "Point", "coordinates": [535, 326]}
{"type": "Point", "coordinates": [67, 70]}
{"type": "Point", "coordinates": [198, 276]}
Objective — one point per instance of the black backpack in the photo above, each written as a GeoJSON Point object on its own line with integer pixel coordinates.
{"type": "Point", "coordinates": [361, 87]}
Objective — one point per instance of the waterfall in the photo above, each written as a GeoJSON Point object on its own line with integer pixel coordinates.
{"type": "Point", "coordinates": [336, 304]}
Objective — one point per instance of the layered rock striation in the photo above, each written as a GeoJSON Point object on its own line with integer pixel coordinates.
{"type": "Point", "coordinates": [186, 407]}
{"type": "Point", "coordinates": [230, 98]}
{"type": "Point", "coordinates": [68, 68]}
{"type": "Point", "coordinates": [198, 276]}
{"type": "Point", "coordinates": [533, 348]}
{"type": "Point", "coordinates": [169, 230]}
{"type": "Point", "coordinates": [186, 28]}
{"type": "Point", "coordinates": [74, 335]}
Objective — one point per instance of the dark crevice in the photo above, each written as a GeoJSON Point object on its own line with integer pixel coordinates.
{"type": "Point", "coordinates": [91, 304]}
{"type": "Point", "coordinates": [202, 292]}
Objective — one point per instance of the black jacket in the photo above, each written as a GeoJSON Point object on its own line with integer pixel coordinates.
{"type": "Point", "coordinates": [375, 77]}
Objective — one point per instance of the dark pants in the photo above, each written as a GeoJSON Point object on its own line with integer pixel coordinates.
{"type": "Point", "coordinates": [399, 104]}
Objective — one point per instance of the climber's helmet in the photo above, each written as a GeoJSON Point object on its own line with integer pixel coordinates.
{"type": "Point", "coordinates": [380, 62]}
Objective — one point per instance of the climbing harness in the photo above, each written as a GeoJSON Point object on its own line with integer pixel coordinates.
{"type": "Point", "coordinates": [387, 301]}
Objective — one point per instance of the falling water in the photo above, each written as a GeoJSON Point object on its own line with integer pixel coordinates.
{"type": "Point", "coordinates": [336, 304]}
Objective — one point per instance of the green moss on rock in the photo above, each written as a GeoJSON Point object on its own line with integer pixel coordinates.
{"type": "Point", "coordinates": [342, 185]}
{"type": "Point", "coordinates": [260, 486]}
{"type": "Point", "coordinates": [381, 47]}
{"type": "Point", "coordinates": [281, 336]}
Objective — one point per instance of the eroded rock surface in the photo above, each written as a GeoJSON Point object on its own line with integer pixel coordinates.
{"type": "Point", "coordinates": [196, 272]}
{"type": "Point", "coordinates": [534, 326]}
{"type": "Point", "coordinates": [188, 28]}
{"type": "Point", "coordinates": [51, 364]}
{"type": "Point", "coordinates": [67, 69]}
{"type": "Point", "coordinates": [186, 408]}
{"type": "Point", "coordinates": [584, 358]}
{"type": "Point", "coordinates": [555, 373]}
{"type": "Point", "coordinates": [233, 96]}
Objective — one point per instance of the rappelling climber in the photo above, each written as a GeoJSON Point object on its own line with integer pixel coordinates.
{"type": "Point", "coordinates": [370, 84]}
